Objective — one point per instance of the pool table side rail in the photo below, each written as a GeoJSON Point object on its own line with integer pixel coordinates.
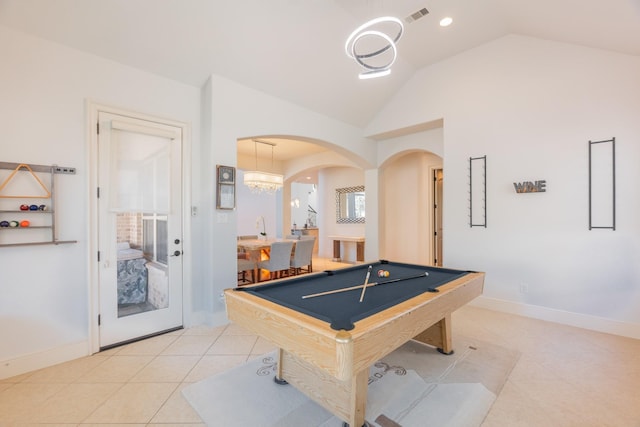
{"type": "Point", "coordinates": [305, 336]}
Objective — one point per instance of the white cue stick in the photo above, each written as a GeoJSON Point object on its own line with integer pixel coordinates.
{"type": "Point", "coordinates": [364, 287]}
{"type": "Point", "coordinates": [351, 288]}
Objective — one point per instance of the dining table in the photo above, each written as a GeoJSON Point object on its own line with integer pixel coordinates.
{"type": "Point", "coordinates": [258, 250]}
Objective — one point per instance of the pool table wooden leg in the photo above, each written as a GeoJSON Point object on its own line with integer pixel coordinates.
{"type": "Point", "coordinates": [345, 399]}
{"type": "Point", "coordinates": [278, 378]}
{"type": "Point", "coordinates": [438, 335]}
{"type": "Point", "coordinates": [359, 384]}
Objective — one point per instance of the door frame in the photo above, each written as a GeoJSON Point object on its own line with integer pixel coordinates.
{"type": "Point", "coordinates": [432, 227]}
{"type": "Point", "coordinates": [93, 294]}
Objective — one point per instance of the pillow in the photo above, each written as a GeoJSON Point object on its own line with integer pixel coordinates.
{"type": "Point", "coordinates": [122, 246]}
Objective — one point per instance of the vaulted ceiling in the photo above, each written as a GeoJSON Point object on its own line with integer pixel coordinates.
{"type": "Point", "coordinates": [294, 49]}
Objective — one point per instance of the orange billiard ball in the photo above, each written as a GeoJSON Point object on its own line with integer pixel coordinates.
{"type": "Point", "coordinates": [25, 223]}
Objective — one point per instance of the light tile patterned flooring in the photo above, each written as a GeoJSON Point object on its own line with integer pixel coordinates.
{"type": "Point", "coordinates": [565, 377]}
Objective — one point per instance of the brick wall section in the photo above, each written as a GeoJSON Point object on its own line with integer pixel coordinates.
{"type": "Point", "coordinates": [130, 229]}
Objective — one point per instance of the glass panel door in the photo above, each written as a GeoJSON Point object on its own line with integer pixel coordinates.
{"type": "Point", "coordinates": [140, 225]}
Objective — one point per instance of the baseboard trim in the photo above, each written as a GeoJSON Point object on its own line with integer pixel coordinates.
{"type": "Point", "coordinates": [43, 359]}
{"type": "Point", "coordinates": [594, 323]}
{"type": "Point", "coordinates": [209, 319]}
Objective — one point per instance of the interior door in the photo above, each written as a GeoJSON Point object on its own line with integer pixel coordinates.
{"type": "Point", "coordinates": [139, 228]}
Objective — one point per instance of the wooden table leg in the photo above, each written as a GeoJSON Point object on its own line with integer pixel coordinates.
{"type": "Point", "coordinates": [359, 385]}
{"type": "Point", "coordinates": [345, 399]}
{"type": "Point", "coordinates": [336, 251]}
{"type": "Point", "coordinates": [439, 335]}
{"type": "Point", "coordinates": [279, 375]}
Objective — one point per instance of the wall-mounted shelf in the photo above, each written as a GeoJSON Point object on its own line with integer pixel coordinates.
{"type": "Point", "coordinates": [25, 186]}
{"type": "Point", "coordinates": [56, 242]}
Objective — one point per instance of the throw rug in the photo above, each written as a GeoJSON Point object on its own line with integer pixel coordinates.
{"type": "Point", "coordinates": [414, 386]}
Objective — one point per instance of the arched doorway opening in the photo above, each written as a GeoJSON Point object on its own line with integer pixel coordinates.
{"type": "Point", "coordinates": [407, 200]}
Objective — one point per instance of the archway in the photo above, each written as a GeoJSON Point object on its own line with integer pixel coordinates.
{"type": "Point", "coordinates": [300, 160]}
{"type": "Point", "coordinates": [406, 206]}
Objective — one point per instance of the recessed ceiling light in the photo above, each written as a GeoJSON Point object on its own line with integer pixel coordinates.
{"type": "Point", "coordinates": [445, 22]}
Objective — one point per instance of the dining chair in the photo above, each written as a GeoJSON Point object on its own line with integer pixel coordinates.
{"type": "Point", "coordinates": [303, 255]}
{"type": "Point", "coordinates": [279, 259]}
{"type": "Point", "coordinates": [244, 266]}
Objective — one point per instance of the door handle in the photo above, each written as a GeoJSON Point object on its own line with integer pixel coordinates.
{"type": "Point", "coordinates": [176, 253]}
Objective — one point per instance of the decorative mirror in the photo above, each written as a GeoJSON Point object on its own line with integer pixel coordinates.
{"type": "Point", "coordinates": [350, 205]}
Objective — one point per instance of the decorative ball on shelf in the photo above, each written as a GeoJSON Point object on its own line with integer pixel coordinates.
{"type": "Point", "coordinates": [25, 223]}
{"type": "Point", "coordinates": [33, 207]}
{"type": "Point", "coordinates": [4, 223]}
{"type": "Point", "coordinates": [24, 207]}
{"type": "Point", "coordinates": [14, 224]}
{"type": "Point", "coordinates": [42, 207]}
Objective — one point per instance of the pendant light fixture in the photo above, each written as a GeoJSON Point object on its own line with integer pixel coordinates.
{"type": "Point", "coordinates": [263, 182]}
{"type": "Point", "coordinates": [366, 57]}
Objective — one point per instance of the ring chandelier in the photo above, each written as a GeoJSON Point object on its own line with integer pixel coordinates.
{"type": "Point", "coordinates": [368, 30]}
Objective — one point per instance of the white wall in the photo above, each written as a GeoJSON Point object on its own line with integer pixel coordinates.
{"type": "Point", "coordinates": [44, 300]}
{"type": "Point", "coordinates": [250, 206]}
{"type": "Point", "coordinates": [532, 106]}
{"type": "Point", "coordinates": [303, 193]}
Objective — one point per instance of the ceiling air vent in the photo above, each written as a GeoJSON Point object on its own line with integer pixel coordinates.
{"type": "Point", "coordinates": [416, 15]}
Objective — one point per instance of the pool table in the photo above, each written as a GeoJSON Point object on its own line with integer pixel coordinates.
{"type": "Point", "coordinates": [328, 342]}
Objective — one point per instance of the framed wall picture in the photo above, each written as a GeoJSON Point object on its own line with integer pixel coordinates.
{"type": "Point", "coordinates": [226, 185]}
{"type": "Point", "coordinates": [226, 174]}
{"type": "Point", "coordinates": [226, 196]}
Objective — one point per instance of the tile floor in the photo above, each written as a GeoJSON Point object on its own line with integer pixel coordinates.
{"type": "Point", "coordinates": [565, 376]}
